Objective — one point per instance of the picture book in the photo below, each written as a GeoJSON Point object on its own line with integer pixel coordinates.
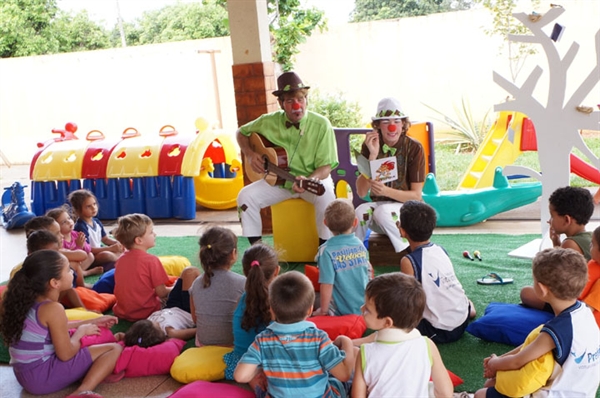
{"type": "Point", "coordinates": [384, 169]}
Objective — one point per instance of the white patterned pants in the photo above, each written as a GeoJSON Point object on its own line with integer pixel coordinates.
{"type": "Point", "coordinates": [260, 194]}
{"type": "Point", "coordinates": [380, 217]}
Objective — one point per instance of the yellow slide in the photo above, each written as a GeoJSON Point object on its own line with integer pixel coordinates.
{"type": "Point", "coordinates": [501, 147]}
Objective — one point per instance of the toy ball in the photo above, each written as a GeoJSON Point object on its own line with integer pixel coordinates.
{"type": "Point", "coordinates": [392, 128]}
{"type": "Point", "coordinates": [71, 127]}
{"type": "Point", "coordinates": [466, 254]}
{"type": "Point", "coordinates": [477, 254]}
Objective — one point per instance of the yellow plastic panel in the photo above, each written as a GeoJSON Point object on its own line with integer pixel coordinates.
{"type": "Point", "coordinates": [295, 234]}
{"type": "Point", "coordinates": [60, 161]}
{"type": "Point", "coordinates": [135, 156]}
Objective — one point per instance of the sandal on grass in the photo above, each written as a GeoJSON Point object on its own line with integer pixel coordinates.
{"type": "Point", "coordinates": [494, 279]}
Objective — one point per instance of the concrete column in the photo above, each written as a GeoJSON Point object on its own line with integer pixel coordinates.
{"type": "Point", "coordinates": [253, 69]}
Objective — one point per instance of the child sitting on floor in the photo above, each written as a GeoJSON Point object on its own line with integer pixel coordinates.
{"type": "Point", "coordinates": [447, 310]}
{"type": "Point", "coordinates": [298, 359]}
{"type": "Point", "coordinates": [252, 314]}
{"type": "Point", "coordinates": [559, 276]}
{"type": "Point", "coordinates": [570, 210]}
{"type": "Point", "coordinates": [73, 240]}
{"type": "Point", "coordinates": [396, 360]}
{"type": "Point", "coordinates": [46, 240]}
{"type": "Point", "coordinates": [85, 207]}
{"type": "Point", "coordinates": [215, 294]}
{"type": "Point", "coordinates": [343, 261]}
{"type": "Point", "coordinates": [75, 257]}
{"type": "Point", "coordinates": [140, 278]}
{"type": "Point", "coordinates": [45, 359]}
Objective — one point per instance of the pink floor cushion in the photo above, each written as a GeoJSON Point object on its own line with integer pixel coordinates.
{"type": "Point", "coordinates": [207, 389]}
{"type": "Point", "coordinates": [156, 360]}
{"type": "Point", "coordinates": [105, 336]}
{"type": "Point", "coordinates": [352, 326]}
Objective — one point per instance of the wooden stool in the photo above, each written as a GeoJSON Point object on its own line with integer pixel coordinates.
{"type": "Point", "coordinates": [382, 252]}
{"type": "Point", "coordinates": [295, 234]}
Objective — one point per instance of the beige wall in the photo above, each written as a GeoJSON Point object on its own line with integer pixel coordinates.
{"type": "Point", "coordinates": [436, 60]}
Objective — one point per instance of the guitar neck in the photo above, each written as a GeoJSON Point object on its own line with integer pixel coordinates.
{"type": "Point", "coordinates": [279, 172]}
{"type": "Point", "coordinates": [310, 185]}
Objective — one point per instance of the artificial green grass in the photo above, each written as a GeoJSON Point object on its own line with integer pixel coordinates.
{"type": "Point", "coordinates": [464, 357]}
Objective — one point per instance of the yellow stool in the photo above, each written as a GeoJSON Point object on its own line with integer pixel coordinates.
{"type": "Point", "coordinates": [295, 234]}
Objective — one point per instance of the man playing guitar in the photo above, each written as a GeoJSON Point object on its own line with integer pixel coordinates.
{"type": "Point", "coordinates": [309, 141]}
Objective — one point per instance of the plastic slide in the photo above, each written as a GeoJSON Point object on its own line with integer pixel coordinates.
{"type": "Point", "coordinates": [584, 170]}
{"type": "Point", "coordinates": [501, 147]}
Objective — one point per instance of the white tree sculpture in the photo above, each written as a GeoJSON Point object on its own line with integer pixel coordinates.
{"type": "Point", "coordinates": [557, 123]}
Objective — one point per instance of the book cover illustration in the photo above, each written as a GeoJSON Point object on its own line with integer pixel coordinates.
{"type": "Point", "coordinates": [384, 169]}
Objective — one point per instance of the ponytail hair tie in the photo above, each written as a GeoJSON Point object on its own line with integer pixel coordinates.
{"type": "Point", "coordinates": [139, 340]}
{"type": "Point", "coordinates": [254, 263]}
{"type": "Point", "coordinates": [208, 246]}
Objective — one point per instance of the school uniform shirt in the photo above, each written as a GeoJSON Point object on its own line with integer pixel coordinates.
{"type": "Point", "coordinates": [93, 233]}
{"type": "Point", "coordinates": [137, 274]}
{"type": "Point", "coordinates": [344, 263]}
{"type": "Point", "coordinates": [397, 364]}
{"type": "Point", "coordinates": [447, 305]}
{"type": "Point", "coordinates": [296, 359]}
{"type": "Point", "coordinates": [577, 339]}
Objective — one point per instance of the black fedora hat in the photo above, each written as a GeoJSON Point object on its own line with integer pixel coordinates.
{"type": "Point", "coordinates": [288, 82]}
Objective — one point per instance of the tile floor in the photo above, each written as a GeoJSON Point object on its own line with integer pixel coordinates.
{"type": "Point", "coordinates": [525, 220]}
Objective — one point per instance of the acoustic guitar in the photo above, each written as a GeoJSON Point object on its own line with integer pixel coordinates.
{"type": "Point", "coordinates": [276, 170]}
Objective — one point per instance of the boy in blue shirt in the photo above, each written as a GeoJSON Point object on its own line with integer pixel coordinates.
{"type": "Point", "coordinates": [298, 359]}
{"type": "Point", "coordinates": [343, 260]}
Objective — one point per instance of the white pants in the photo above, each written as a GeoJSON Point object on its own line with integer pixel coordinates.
{"type": "Point", "coordinates": [382, 218]}
{"type": "Point", "coordinates": [175, 318]}
{"type": "Point", "coordinates": [260, 194]}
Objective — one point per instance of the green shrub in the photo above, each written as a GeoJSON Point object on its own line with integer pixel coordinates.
{"type": "Point", "coordinates": [339, 111]}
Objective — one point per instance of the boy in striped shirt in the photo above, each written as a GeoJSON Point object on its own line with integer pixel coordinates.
{"type": "Point", "coordinates": [298, 359]}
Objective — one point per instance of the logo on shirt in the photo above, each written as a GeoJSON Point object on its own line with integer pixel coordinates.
{"type": "Point", "coordinates": [587, 358]}
{"type": "Point", "coordinates": [436, 281]}
{"type": "Point", "coordinates": [578, 359]}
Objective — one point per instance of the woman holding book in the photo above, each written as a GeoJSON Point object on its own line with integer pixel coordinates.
{"type": "Point", "coordinates": [389, 140]}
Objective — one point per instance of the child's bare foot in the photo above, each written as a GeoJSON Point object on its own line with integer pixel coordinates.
{"type": "Point", "coordinates": [93, 271]}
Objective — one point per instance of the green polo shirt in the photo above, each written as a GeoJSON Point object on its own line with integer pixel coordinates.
{"type": "Point", "coordinates": [308, 148]}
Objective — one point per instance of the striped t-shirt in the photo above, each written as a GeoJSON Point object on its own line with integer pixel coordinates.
{"type": "Point", "coordinates": [35, 343]}
{"type": "Point", "coordinates": [296, 359]}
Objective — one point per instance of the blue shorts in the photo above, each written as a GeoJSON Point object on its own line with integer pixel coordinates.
{"type": "Point", "coordinates": [439, 336]}
{"type": "Point", "coordinates": [492, 393]}
{"type": "Point", "coordinates": [46, 377]}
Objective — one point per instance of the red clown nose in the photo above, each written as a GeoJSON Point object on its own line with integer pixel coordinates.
{"type": "Point", "coordinates": [296, 106]}
{"type": "Point", "coordinates": [392, 128]}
